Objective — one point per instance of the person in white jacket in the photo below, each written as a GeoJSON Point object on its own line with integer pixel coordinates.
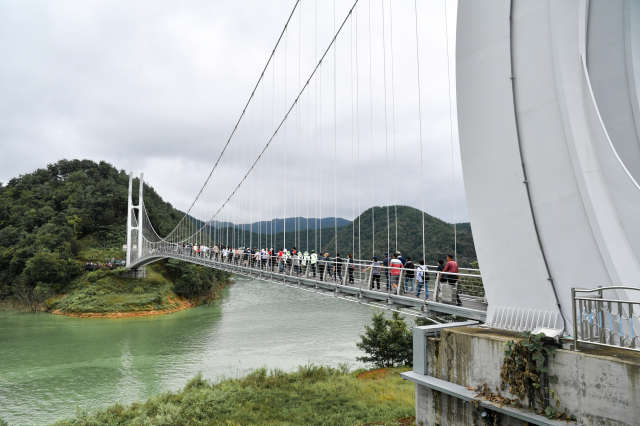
{"type": "Point", "coordinates": [305, 260]}
{"type": "Point", "coordinates": [313, 259]}
{"type": "Point", "coordinates": [423, 279]}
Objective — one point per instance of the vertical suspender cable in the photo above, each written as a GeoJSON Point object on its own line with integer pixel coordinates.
{"type": "Point", "coordinates": [321, 156]}
{"type": "Point", "coordinates": [286, 44]}
{"type": "Point", "coordinates": [305, 160]}
{"type": "Point", "coordinates": [251, 184]}
{"type": "Point", "coordinates": [358, 136]}
{"type": "Point", "coordinates": [298, 118]}
{"type": "Point", "coordinates": [353, 173]}
{"type": "Point", "coordinates": [315, 128]}
{"type": "Point", "coordinates": [273, 162]}
{"type": "Point", "coordinates": [335, 135]}
{"type": "Point", "coordinates": [386, 142]}
{"type": "Point", "coordinates": [393, 123]}
{"type": "Point", "coordinates": [415, 4]}
{"type": "Point", "coordinates": [373, 218]}
{"type": "Point", "coordinates": [260, 180]}
{"type": "Point", "coordinates": [453, 176]}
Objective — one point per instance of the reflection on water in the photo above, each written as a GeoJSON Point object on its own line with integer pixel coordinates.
{"type": "Point", "coordinates": [50, 364]}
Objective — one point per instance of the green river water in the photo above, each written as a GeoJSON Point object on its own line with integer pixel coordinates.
{"type": "Point", "coordinates": [52, 365]}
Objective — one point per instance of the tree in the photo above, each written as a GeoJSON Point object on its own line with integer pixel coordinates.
{"type": "Point", "coordinates": [31, 297]}
{"type": "Point", "coordinates": [388, 342]}
{"type": "Point", "coordinates": [47, 269]}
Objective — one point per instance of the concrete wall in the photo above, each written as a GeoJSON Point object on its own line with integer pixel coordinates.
{"type": "Point", "coordinates": [600, 386]}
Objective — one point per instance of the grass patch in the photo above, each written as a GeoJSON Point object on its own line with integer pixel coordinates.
{"type": "Point", "coordinates": [312, 395]}
{"type": "Point", "coordinates": [105, 291]}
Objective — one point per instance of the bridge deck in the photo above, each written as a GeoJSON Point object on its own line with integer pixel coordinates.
{"type": "Point", "coordinates": [358, 291]}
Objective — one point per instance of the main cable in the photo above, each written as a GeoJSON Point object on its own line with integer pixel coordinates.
{"type": "Point", "coordinates": [283, 121]}
{"type": "Point", "coordinates": [242, 114]}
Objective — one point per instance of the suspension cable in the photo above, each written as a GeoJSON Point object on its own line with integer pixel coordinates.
{"type": "Point", "coordinates": [242, 114]}
{"type": "Point", "coordinates": [373, 218]}
{"type": "Point", "coordinates": [335, 137]}
{"type": "Point", "coordinates": [393, 123]}
{"type": "Point", "coordinates": [358, 136]}
{"type": "Point", "coordinates": [288, 112]}
{"type": "Point", "coordinates": [424, 255]}
{"type": "Point", "coordinates": [386, 133]}
{"type": "Point", "coordinates": [453, 176]}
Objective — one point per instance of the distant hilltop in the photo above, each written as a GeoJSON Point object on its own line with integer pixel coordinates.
{"type": "Point", "coordinates": [292, 223]}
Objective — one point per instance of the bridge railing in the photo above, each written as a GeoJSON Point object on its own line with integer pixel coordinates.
{"type": "Point", "coordinates": [466, 285]}
{"type": "Point", "coordinates": [601, 317]}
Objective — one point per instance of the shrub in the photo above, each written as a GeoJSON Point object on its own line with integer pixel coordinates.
{"type": "Point", "coordinates": [138, 290]}
{"type": "Point", "coordinates": [388, 342]}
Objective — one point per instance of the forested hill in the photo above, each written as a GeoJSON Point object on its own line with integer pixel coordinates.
{"type": "Point", "coordinates": [48, 216]}
{"type": "Point", "coordinates": [439, 239]}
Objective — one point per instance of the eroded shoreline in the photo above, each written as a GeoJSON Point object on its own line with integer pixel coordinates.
{"type": "Point", "coordinates": [184, 304]}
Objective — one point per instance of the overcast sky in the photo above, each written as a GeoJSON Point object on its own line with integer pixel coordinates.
{"type": "Point", "coordinates": [158, 86]}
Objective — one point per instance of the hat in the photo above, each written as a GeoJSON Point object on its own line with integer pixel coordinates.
{"type": "Point", "coordinates": [375, 257]}
{"type": "Point", "coordinates": [313, 251]}
{"type": "Point", "coordinates": [386, 254]}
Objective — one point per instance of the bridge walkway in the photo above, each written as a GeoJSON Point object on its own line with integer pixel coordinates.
{"type": "Point", "coordinates": [473, 305]}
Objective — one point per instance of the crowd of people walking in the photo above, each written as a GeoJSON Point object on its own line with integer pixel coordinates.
{"type": "Point", "coordinates": [388, 271]}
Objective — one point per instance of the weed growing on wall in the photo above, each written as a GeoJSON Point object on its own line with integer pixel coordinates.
{"type": "Point", "coordinates": [525, 372]}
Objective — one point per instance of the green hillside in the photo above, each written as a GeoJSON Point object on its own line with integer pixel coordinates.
{"type": "Point", "coordinates": [76, 210]}
{"type": "Point", "coordinates": [439, 236]}
{"type": "Point", "coordinates": [439, 239]}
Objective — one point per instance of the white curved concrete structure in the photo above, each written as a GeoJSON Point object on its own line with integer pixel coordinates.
{"type": "Point", "coordinates": [549, 120]}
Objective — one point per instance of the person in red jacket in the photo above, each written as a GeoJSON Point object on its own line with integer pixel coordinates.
{"type": "Point", "coordinates": [452, 268]}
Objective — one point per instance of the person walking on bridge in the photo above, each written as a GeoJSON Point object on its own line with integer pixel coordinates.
{"type": "Point", "coordinates": [327, 262]}
{"type": "Point", "coordinates": [314, 259]}
{"type": "Point", "coordinates": [306, 259]}
{"type": "Point", "coordinates": [395, 267]}
{"type": "Point", "coordinates": [385, 268]}
{"type": "Point", "coordinates": [452, 268]}
{"type": "Point", "coordinates": [423, 279]}
{"type": "Point", "coordinates": [280, 260]}
{"type": "Point", "coordinates": [337, 268]}
{"type": "Point", "coordinates": [439, 280]}
{"type": "Point", "coordinates": [350, 268]}
{"type": "Point", "coordinates": [375, 273]}
{"type": "Point", "coordinates": [296, 262]}
{"type": "Point", "coordinates": [409, 277]}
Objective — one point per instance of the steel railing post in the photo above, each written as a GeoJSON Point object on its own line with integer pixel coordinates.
{"type": "Point", "coordinates": [575, 323]}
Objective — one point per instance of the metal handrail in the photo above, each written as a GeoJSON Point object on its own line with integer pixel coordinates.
{"type": "Point", "coordinates": [590, 315]}
{"type": "Point", "coordinates": [469, 285]}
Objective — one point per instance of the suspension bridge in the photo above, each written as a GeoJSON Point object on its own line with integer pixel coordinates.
{"type": "Point", "coordinates": [338, 119]}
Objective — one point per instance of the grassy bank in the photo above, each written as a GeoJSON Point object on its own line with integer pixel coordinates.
{"type": "Point", "coordinates": [107, 293]}
{"type": "Point", "coordinates": [312, 395]}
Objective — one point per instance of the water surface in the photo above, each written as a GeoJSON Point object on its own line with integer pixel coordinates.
{"type": "Point", "coordinates": [51, 364]}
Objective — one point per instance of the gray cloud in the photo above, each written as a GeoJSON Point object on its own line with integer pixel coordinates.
{"type": "Point", "coordinates": [156, 87]}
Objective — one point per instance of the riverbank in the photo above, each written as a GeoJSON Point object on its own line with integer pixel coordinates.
{"type": "Point", "coordinates": [312, 395]}
{"type": "Point", "coordinates": [108, 294]}
{"type": "Point", "coordinates": [182, 305]}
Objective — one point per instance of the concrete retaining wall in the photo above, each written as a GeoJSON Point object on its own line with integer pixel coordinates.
{"type": "Point", "coordinates": [599, 386]}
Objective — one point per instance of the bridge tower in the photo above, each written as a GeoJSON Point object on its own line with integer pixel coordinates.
{"type": "Point", "coordinates": [130, 218]}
